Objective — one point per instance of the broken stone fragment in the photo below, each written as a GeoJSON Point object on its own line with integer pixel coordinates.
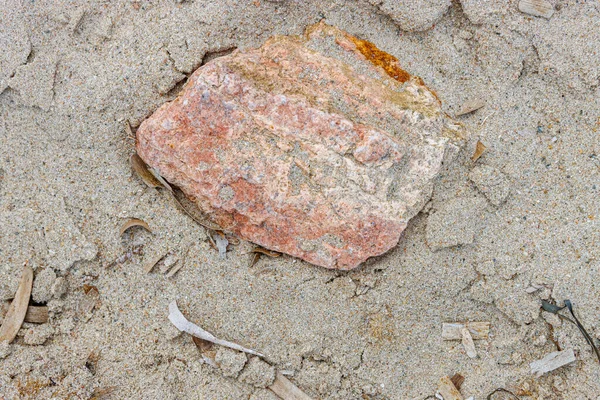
{"type": "Point", "coordinates": [319, 146]}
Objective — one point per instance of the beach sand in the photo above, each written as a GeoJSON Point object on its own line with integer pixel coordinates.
{"type": "Point", "coordinates": [500, 234]}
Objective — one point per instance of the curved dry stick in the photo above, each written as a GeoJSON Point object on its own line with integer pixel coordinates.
{"type": "Point", "coordinates": [18, 308]}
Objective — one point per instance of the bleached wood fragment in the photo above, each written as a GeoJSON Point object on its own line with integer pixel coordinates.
{"type": "Point", "coordinates": [285, 389]}
{"type": "Point", "coordinates": [537, 8]}
{"type": "Point", "coordinates": [34, 315]}
{"type": "Point", "coordinates": [467, 341]}
{"type": "Point", "coordinates": [478, 330]}
{"type": "Point", "coordinates": [447, 389]}
{"type": "Point", "coordinates": [552, 361]}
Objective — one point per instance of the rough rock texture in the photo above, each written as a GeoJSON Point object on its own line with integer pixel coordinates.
{"type": "Point", "coordinates": [413, 15]}
{"type": "Point", "coordinates": [320, 147]}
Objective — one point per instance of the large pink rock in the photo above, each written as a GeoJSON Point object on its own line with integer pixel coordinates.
{"type": "Point", "coordinates": [319, 146]}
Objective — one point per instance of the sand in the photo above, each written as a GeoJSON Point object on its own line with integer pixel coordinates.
{"type": "Point", "coordinates": [526, 213]}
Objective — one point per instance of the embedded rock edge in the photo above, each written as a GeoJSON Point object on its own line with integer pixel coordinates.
{"type": "Point", "coordinates": [321, 146]}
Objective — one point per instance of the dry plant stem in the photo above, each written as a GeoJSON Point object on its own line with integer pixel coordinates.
{"type": "Point", "coordinates": [588, 338]}
{"type": "Point", "coordinates": [18, 308]}
{"type": "Point", "coordinates": [457, 380]}
{"type": "Point", "coordinates": [181, 323]}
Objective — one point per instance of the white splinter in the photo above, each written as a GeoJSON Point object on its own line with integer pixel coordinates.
{"type": "Point", "coordinates": [181, 323]}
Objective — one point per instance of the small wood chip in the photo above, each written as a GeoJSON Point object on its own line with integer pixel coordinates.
{"type": "Point", "coordinates": [285, 389]}
{"type": "Point", "coordinates": [470, 106]}
{"type": "Point", "coordinates": [131, 222]}
{"type": "Point", "coordinates": [457, 380]}
{"type": "Point", "coordinates": [467, 341]}
{"type": "Point", "coordinates": [552, 361]}
{"type": "Point", "coordinates": [480, 148]}
{"type": "Point", "coordinates": [181, 323]}
{"type": "Point", "coordinates": [18, 308]}
{"type": "Point", "coordinates": [202, 345]}
{"type": "Point", "coordinates": [537, 8]}
{"type": "Point", "coordinates": [35, 314]}
{"type": "Point", "coordinates": [143, 171]}
{"type": "Point", "coordinates": [447, 389]}
{"type": "Point", "coordinates": [478, 330]}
